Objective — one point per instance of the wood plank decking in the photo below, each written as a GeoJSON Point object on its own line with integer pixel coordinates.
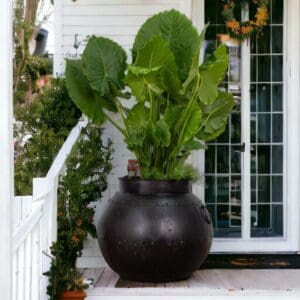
{"type": "Point", "coordinates": [205, 283]}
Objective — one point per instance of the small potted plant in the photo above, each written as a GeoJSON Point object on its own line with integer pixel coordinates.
{"type": "Point", "coordinates": [74, 286]}
{"type": "Point", "coordinates": [155, 228]}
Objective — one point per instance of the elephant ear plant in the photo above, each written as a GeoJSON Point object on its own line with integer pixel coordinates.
{"type": "Point", "coordinates": [177, 105]}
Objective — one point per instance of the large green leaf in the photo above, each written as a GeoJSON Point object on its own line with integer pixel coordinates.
{"type": "Point", "coordinates": [81, 93]}
{"type": "Point", "coordinates": [215, 116]}
{"type": "Point", "coordinates": [177, 30]}
{"type": "Point", "coordinates": [144, 80]}
{"type": "Point", "coordinates": [192, 124]}
{"type": "Point", "coordinates": [192, 145]}
{"type": "Point", "coordinates": [172, 115]}
{"type": "Point", "coordinates": [156, 53]}
{"type": "Point", "coordinates": [104, 63]}
{"type": "Point", "coordinates": [136, 124]}
{"type": "Point", "coordinates": [212, 72]}
{"type": "Point", "coordinates": [162, 132]}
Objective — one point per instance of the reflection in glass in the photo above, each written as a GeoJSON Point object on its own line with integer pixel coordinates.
{"type": "Point", "coordinates": [277, 12]}
{"type": "Point", "coordinates": [210, 159]}
{"type": "Point", "coordinates": [235, 160]}
{"type": "Point", "coordinates": [235, 128]}
{"type": "Point", "coordinates": [263, 159]}
{"type": "Point", "coordinates": [263, 98]}
{"type": "Point", "coordinates": [263, 192]}
{"type": "Point", "coordinates": [266, 220]}
{"type": "Point", "coordinates": [210, 195]}
{"type": "Point", "coordinates": [263, 63]}
{"type": "Point", "coordinates": [223, 189]}
{"type": "Point", "coordinates": [277, 67]}
{"type": "Point", "coordinates": [223, 216]}
{"type": "Point", "coordinates": [277, 39]}
{"type": "Point", "coordinates": [223, 159]}
{"type": "Point", "coordinates": [264, 128]}
{"type": "Point", "coordinates": [277, 159]}
{"type": "Point", "coordinates": [277, 134]}
{"type": "Point", "coordinates": [277, 97]}
{"type": "Point", "coordinates": [277, 188]}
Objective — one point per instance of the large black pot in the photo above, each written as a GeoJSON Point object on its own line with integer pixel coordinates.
{"type": "Point", "coordinates": [154, 230]}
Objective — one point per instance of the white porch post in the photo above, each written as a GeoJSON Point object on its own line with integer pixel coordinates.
{"type": "Point", "coordinates": [6, 150]}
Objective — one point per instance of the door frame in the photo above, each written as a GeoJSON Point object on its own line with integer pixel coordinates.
{"type": "Point", "coordinates": [290, 242]}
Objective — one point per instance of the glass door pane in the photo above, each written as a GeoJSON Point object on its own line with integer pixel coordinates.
{"type": "Point", "coordinates": [267, 117]}
{"type": "Point", "coordinates": [223, 156]}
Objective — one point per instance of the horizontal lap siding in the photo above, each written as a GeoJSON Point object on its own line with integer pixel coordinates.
{"type": "Point", "coordinates": [115, 19]}
{"type": "Point", "coordinates": [120, 21]}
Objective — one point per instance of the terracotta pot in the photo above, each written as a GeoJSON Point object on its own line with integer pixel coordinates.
{"type": "Point", "coordinates": [72, 295]}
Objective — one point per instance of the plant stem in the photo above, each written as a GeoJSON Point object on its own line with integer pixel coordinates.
{"type": "Point", "coordinates": [115, 124]}
{"type": "Point", "coordinates": [119, 107]}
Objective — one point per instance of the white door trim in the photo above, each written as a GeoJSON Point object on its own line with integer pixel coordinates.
{"type": "Point", "coordinates": [6, 149]}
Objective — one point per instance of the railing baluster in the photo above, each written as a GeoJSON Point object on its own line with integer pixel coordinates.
{"type": "Point", "coordinates": [35, 263]}
{"type": "Point", "coordinates": [15, 274]}
{"type": "Point", "coordinates": [28, 264]}
{"type": "Point", "coordinates": [20, 286]}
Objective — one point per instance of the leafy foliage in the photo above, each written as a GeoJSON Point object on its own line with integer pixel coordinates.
{"type": "Point", "coordinates": [84, 181]}
{"type": "Point", "coordinates": [178, 106]}
{"type": "Point", "coordinates": [47, 120]}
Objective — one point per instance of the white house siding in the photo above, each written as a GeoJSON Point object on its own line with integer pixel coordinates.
{"type": "Point", "coordinates": [120, 21]}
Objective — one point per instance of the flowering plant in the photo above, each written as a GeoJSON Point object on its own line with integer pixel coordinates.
{"type": "Point", "coordinates": [242, 30]}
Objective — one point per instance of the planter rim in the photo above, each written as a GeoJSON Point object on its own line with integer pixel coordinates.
{"type": "Point", "coordinates": [74, 294]}
{"type": "Point", "coordinates": [154, 186]}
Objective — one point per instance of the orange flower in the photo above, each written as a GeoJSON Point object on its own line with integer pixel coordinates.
{"type": "Point", "coordinates": [234, 25]}
{"type": "Point", "coordinates": [246, 29]}
{"type": "Point", "coordinates": [261, 16]}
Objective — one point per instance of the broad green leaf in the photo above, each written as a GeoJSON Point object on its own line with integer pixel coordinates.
{"type": "Point", "coordinates": [151, 138]}
{"type": "Point", "coordinates": [194, 70]}
{"type": "Point", "coordinates": [81, 93]}
{"type": "Point", "coordinates": [192, 124]}
{"type": "Point", "coordinates": [215, 116]}
{"type": "Point", "coordinates": [177, 30]}
{"type": "Point", "coordinates": [162, 132]}
{"type": "Point", "coordinates": [174, 88]}
{"type": "Point", "coordinates": [211, 73]}
{"type": "Point", "coordinates": [137, 123]}
{"type": "Point", "coordinates": [156, 53]}
{"type": "Point", "coordinates": [172, 115]}
{"type": "Point", "coordinates": [107, 102]}
{"type": "Point", "coordinates": [142, 80]}
{"type": "Point", "coordinates": [104, 63]}
{"type": "Point", "coordinates": [193, 144]}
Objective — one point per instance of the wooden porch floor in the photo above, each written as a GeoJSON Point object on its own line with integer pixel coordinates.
{"type": "Point", "coordinates": [207, 283]}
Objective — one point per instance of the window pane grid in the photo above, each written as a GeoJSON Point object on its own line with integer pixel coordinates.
{"type": "Point", "coordinates": [223, 159]}
{"type": "Point", "coordinates": [266, 133]}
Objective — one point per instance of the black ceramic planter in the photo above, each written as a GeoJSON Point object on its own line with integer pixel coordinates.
{"type": "Point", "coordinates": [154, 230]}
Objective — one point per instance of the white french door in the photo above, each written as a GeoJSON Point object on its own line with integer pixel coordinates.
{"type": "Point", "coordinates": [252, 170]}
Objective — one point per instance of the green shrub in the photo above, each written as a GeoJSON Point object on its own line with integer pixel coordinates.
{"type": "Point", "coordinates": [48, 119]}
{"type": "Point", "coordinates": [87, 168]}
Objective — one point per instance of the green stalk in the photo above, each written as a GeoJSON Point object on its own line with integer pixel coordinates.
{"type": "Point", "coordinates": [115, 124]}
{"type": "Point", "coordinates": [182, 127]}
{"type": "Point", "coordinates": [119, 107]}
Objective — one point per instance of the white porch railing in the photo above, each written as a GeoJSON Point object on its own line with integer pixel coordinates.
{"type": "Point", "coordinates": [34, 227]}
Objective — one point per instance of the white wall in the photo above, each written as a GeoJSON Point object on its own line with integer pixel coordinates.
{"type": "Point", "coordinates": [120, 21]}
